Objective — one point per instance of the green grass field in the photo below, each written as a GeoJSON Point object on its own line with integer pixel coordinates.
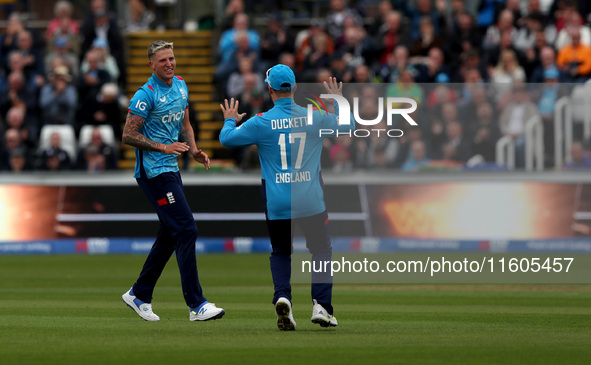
{"type": "Point", "coordinates": [67, 309]}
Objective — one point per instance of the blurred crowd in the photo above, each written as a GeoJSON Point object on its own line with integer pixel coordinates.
{"type": "Point", "coordinates": [478, 70]}
{"type": "Point", "coordinates": [62, 100]}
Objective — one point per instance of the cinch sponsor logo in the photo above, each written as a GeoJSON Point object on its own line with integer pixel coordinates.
{"type": "Point", "coordinates": [173, 117]}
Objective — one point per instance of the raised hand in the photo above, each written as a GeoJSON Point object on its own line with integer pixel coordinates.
{"type": "Point", "coordinates": [230, 110]}
{"type": "Point", "coordinates": [333, 87]}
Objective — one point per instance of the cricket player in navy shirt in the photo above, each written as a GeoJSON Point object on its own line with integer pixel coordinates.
{"type": "Point", "coordinates": [158, 127]}
{"type": "Point", "coordinates": [289, 151]}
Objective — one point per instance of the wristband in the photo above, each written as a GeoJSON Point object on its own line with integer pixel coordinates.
{"type": "Point", "coordinates": [164, 149]}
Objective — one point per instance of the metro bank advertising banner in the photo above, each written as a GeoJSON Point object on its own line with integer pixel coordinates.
{"type": "Point", "coordinates": [443, 211]}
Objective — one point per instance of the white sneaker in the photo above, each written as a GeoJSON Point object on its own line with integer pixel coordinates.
{"type": "Point", "coordinates": [285, 321]}
{"type": "Point", "coordinates": [205, 312]}
{"type": "Point", "coordinates": [143, 309]}
{"type": "Point", "coordinates": [320, 316]}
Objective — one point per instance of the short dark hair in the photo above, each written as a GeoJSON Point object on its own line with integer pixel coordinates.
{"type": "Point", "coordinates": [158, 46]}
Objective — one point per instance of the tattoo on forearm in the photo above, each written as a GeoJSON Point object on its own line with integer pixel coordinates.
{"type": "Point", "coordinates": [133, 137]}
{"type": "Point", "coordinates": [186, 136]}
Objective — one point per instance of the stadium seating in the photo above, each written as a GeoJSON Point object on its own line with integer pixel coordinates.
{"type": "Point", "coordinates": [67, 134]}
{"type": "Point", "coordinates": [106, 133]}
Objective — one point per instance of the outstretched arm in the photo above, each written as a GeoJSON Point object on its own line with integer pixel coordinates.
{"type": "Point", "coordinates": [133, 137]}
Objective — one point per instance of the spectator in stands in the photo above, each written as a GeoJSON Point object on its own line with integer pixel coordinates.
{"type": "Point", "coordinates": [140, 16]}
{"type": "Point", "coordinates": [59, 98]}
{"type": "Point", "coordinates": [362, 74]}
{"type": "Point", "coordinates": [547, 61]}
{"type": "Point", "coordinates": [397, 62]}
{"type": "Point", "coordinates": [231, 65]}
{"type": "Point", "coordinates": [465, 37]}
{"type": "Point", "coordinates": [16, 63]}
{"type": "Point", "coordinates": [97, 156]}
{"type": "Point", "coordinates": [470, 61]}
{"type": "Point", "coordinates": [381, 151]}
{"type": "Point", "coordinates": [450, 18]}
{"type": "Point", "coordinates": [251, 83]}
{"type": "Point", "coordinates": [493, 33]}
{"type": "Point", "coordinates": [449, 113]}
{"type": "Point", "coordinates": [580, 160]}
{"type": "Point", "coordinates": [440, 95]}
{"type": "Point", "coordinates": [547, 94]}
{"type": "Point", "coordinates": [256, 103]}
{"type": "Point", "coordinates": [106, 61]}
{"type": "Point", "coordinates": [104, 109]}
{"type": "Point", "coordinates": [338, 67]}
{"type": "Point", "coordinates": [392, 34]}
{"type": "Point", "coordinates": [540, 8]}
{"type": "Point", "coordinates": [233, 8]}
{"type": "Point", "coordinates": [531, 58]}
{"type": "Point", "coordinates": [457, 146]}
{"type": "Point", "coordinates": [562, 11]}
{"type": "Point", "coordinates": [94, 78]}
{"type": "Point", "coordinates": [54, 157]}
{"type": "Point", "coordinates": [431, 68]}
{"type": "Point", "coordinates": [485, 117]}
{"type": "Point", "coordinates": [306, 44]}
{"type": "Point", "coordinates": [575, 58]}
{"type": "Point", "coordinates": [507, 72]}
{"type": "Point", "coordinates": [512, 120]}
{"type": "Point", "coordinates": [63, 23]}
{"type": "Point", "coordinates": [411, 135]}
{"type": "Point", "coordinates": [486, 134]}
{"type": "Point", "coordinates": [229, 40]}
{"type": "Point", "coordinates": [323, 75]}
{"type": "Point", "coordinates": [492, 56]}
{"type": "Point", "coordinates": [487, 12]}
{"type": "Point", "coordinates": [63, 26]}
{"type": "Point", "coordinates": [335, 19]}
{"type": "Point", "coordinates": [62, 49]}
{"type": "Point", "coordinates": [32, 57]}
{"type": "Point", "coordinates": [424, 9]}
{"type": "Point", "coordinates": [406, 86]}
{"type": "Point", "coordinates": [100, 24]}
{"type": "Point", "coordinates": [358, 47]}
{"type": "Point", "coordinates": [525, 37]}
{"type": "Point", "coordinates": [14, 155]}
{"type": "Point", "coordinates": [236, 83]}
{"type": "Point", "coordinates": [276, 40]}
{"type": "Point", "coordinates": [340, 155]}
{"type": "Point", "coordinates": [318, 55]}
{"type": "Point", "coordinates": [19, 160]}
{"type": "Point", "coordinates": [14, 26]}
{"type": "Point", "coordinates": [417, 158]}
{"type": "Point", "coordinates": [426, 40]}
{"type": "Point", "coordinates": [385, 8]}
{"type": "Point", "coordinates": [573, 20]}
{"type": "Point", "coordinates": [288, 59]}
{"type": "Point", "coordinates": [16, 93]}
{"type": "Point", "coordinates": [16, 119]}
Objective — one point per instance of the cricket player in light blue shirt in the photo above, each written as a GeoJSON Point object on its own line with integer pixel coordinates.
{"type": "Point", "coordinates": [289, 147]}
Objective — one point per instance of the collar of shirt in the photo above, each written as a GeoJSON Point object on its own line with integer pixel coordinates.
{"type": "Point", "coordinates": [161, 83]}
{"type": "Point", "coordinates": [283, 101]}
